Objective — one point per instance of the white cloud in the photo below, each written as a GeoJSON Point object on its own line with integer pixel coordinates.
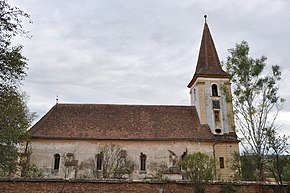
{"type": "Point", "coordinates": [140, 51]}
{"type": "Point", "coordinates": [284, 123]}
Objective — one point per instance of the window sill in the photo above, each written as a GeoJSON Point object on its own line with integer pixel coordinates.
{"type": "Point", "coordinates": [53, 171]}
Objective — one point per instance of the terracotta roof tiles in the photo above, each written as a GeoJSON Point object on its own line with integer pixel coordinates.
{"type": "Point", "coordinates": [208, 64]}
{"type": "Point", "coordinates": [121, 122]}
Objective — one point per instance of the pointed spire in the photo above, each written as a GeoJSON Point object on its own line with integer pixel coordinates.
{"type": "Point", "coordinates": [208, 64]}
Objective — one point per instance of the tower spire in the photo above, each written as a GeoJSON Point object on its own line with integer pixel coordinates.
{"type": "Point", "coordinates": [208, 64]}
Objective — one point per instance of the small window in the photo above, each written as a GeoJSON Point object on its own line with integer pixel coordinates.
{"type": "Point", "coordinates": [216, 104]}
{"type": "Point", "coordinates": [99, 158]}
{"type": "Point", "coordinates": [216, 116]}
{"type": "Point", "coordinates": [214, 90]}
{"type": "Point", "coordinates": [222, 162]}
{"type": "Point", "coordinates": [56, 161]}
{"type": "Point", "coordinates": [143, 158]}
{"type": "Point", "coordinates": [194, 94]}
{"type": "Point", "coordinates": [218, 131]}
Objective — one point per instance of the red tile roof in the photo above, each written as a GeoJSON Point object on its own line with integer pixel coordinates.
{"type": "Point", "coordinates": [208, 64]}
{"type": "Point", "coordinates": [121, 122]}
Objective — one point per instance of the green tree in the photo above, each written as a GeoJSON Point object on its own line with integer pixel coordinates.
{"type": "Point", "coordinates": [198, 168]}
{"type": "Point", "coordinates": [277, 160]}
{"type": "Point", "coordinates": [255, 99]}
{"type": "Point", "coordinates": [13, 63]}
{"type": "Point", "coordinates": [14, 115]}
{"type": "Point", "coordinates": [244, 166]}
{"type": "Point", "coordinates": [286, 171]}
{"type": "Point", "coordinates": [249, 167]}
{"type": "Point", "coordinates": [14, 119]}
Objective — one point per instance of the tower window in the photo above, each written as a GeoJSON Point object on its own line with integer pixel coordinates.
{"type": "Point", "coordinates": [216, 104]}
{"type": "Point", "coordinates": [214, 90]}
{"type": "Point", "coordinates": [56, 161]}
{"type": "Point", "coordinates": [143, 158]}
{"type": "Point", "coordinates": [99, 158]}
{"type": "Point", "coordinates": [222, 162]}
{"type": "Point", "coordinates": [216, 116]}
{"type": "Point", "coordinates": [218, 131]}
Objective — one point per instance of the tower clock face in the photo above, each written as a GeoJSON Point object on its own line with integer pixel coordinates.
{"type": "Point", "coordinates": [216, 104]}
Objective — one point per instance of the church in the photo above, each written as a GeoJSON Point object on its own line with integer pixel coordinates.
{"type": "Point", "coordinates": [70, 140]}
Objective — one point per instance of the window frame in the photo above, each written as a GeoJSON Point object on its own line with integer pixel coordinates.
{"type": "Point", "coordinates": [143, 160]}
{"type": "Point", "coordinates": [99, 161]}
{"type": "Point", "coordinates": [214, 90]}
{"type": "Point", "coordinates": [56, 163]}
{"type": "Point", "coordinates": [222, 162]}
{"type": "Point", "coordinates": [217, 116]}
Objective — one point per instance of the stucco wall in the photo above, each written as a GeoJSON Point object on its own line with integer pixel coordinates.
{"type": "Point", "coordinates": [43, 151]}
{"type": "Point", "coordinates": [203, 103]}
{"type": "Point", "coordinates": [226, 151]}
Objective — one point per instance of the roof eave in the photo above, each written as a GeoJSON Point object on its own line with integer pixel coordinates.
{"type": "Point", "coordinates": [226, 75]}
{"type": "Point", "coordinates": [214, 139]}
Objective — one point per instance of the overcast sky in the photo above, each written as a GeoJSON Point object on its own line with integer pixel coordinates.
{"type": "Point", "coordinates": [141, 51]}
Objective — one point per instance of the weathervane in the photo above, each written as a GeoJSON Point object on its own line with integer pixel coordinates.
{"type": "Point", "coordinates": [205, 16]}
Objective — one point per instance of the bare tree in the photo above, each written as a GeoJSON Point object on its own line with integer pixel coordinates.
{"type": "Point", "coordinates": [70, 165]}
{"type": "Point", "coordinates": [115, 162]}
{"type": "Point", "coordinates": [88, 168]}
{"type": "Point", "coordinates": [161, 171]}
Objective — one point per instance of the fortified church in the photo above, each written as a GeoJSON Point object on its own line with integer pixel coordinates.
{"type": "Point", "coordinates": [151, 135]}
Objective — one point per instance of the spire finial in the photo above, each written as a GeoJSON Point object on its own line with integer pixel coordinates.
{"type": "Point", "coordinates": [205, 16]}
{"type": "Point", "coordinates": [56, 99]}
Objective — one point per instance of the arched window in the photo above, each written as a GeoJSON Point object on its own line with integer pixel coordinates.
{"type": "Point", "coordinates": [143, 158]}
{"type": "Point", "coordinates": [56, 161]}
{"type": "Point", "coordinates": [214, 90]}
{"type": "Point", "coordinates": [99, 163]}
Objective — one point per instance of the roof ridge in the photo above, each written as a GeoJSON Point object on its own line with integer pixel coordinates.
{"type": "Point", "coordinates": [145, 105]}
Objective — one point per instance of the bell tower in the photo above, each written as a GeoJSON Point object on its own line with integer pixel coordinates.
{"type": "Point", "coordinates": [210, 88]}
